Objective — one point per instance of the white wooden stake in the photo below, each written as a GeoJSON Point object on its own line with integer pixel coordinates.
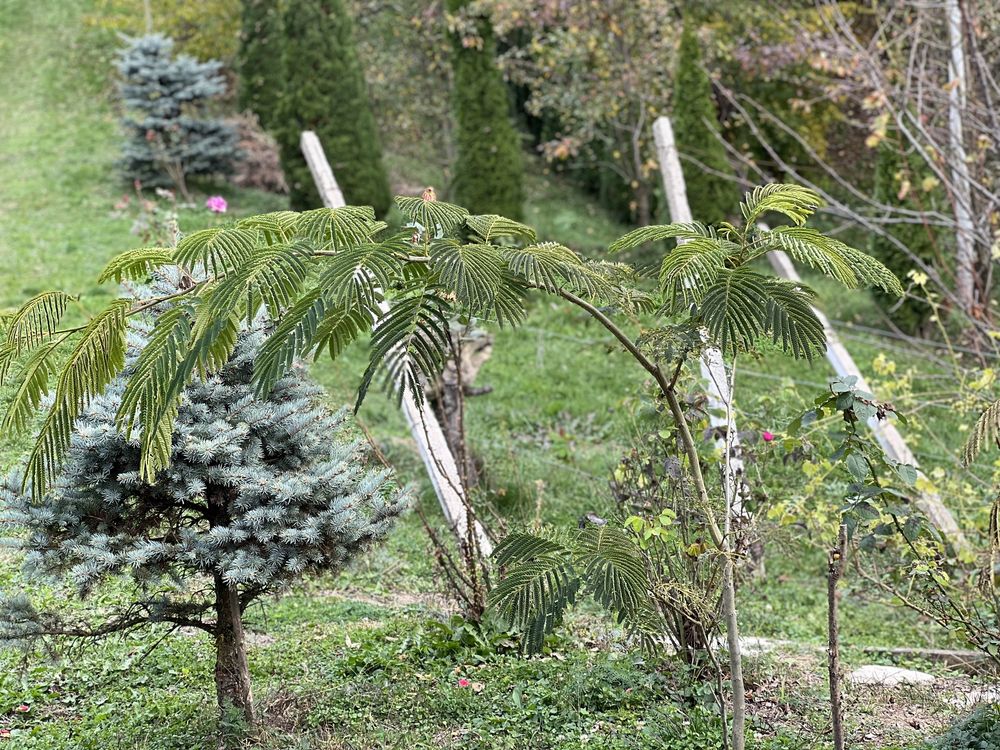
{"type": "Point", "coordinates": [884, 430]}
{"type": "Point", "coordinates": [713, 369]}
{"type": "Point", "coordinates": [431, 444]}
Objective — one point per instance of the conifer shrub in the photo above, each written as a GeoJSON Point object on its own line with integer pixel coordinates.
{"type": "Point", "coordinates": [711, 196]}
{"type": "Point", "coordinates": [324, 90]}
{"type": "Point", "coordinates": [259, 59]}
{"type": "Point", "coordinates": [260, 492]}
{"type": "Point", "coordinates": [169, 136]}
{"type": "Point", "coordinates": [488, 171]}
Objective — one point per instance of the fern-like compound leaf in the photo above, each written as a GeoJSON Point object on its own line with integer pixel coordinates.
{"type": "Point", "coordinates": [276, 227]}
{"type": "Point", "coordinates": [489, 227]}
{"type": "Point", "coordinates": [540, 584]}
{"type": "Point", "coordinates": [986, 430]}
{"type": "Point", "coordinates": [272, 275]}
{"type": "Point", "coordinates": [36, 320]}
{"type": "Point", "coordinates": [614, 570]}
{"type": "Point", "coordinates": [220, 250]}
{"type": "Point", "coordinates": [98, 356]}
{"type": "Point", "coordinates": [688, 271]}
{"type": "Point", "coordinates": [694, 230]}
{"type": "Point", "coordinates": [409, 345]}
{"type": "Point", "coordinates": [474, 273]}
{"type": "Point", "coordinates": [137, 264]}
{"type": "Point", "coordinates": [33, 384]}
{"type": "Point", "coordinates": [793, 201]}
{"type": "Point", "coordinates": [151, 397]}
{"type": "Point", "coordinates": [357, 276]}
{"type": "Point", "coordinates": [339, 228]}
{"type": "Point", "coordinates": [790, 319]}
{"type": "Point", "coordinates": [732, 309]}
{"type": "Point", "coordinates": [435, 217]}
{"type": "Point", "coordinates": [291, 338]}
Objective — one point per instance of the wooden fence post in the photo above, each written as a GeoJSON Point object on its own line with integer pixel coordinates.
{"type": "Point", "coordinates": [713, 369]}
{"type": "Point", "coordinates": [431, 444]}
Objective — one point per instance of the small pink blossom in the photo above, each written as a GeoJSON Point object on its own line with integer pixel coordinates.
{"type": "Point", "coordinates": [463, 683]}
{"type": "Point", "coordinates": [216, 204]}
{"type": "Point", "coordinates": [23, 708]}
{"type": "Point", "coordinates": [768, 436]}
{"type": "Point", "coordinates": [4, 733]}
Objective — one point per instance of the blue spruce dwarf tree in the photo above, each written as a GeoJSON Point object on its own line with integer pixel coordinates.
{"type": "Point", "coordinates": [169, 137]}
{"type": "Point", "coordinates": [259, 492]}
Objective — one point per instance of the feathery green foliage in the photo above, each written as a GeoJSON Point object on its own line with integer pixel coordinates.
{"type": "Point", "coordinates": [488, 168]}
{"type": "Point", "coordinates": [324, 91]}
{"type": "Point", "coordinates": [546, 573]}
{"type": "Point", "coordinates": [98, 357]}
{"type": "Point", "coordinates": [708, 273]}
{"type": "Point", "coordinates": [712, 197]}
{"type": "Point", "coordinates": [36, 320]}
{"type": "Point", "coordinates": [327, 277]}
{"type": "Point", "coordinates": [986, 430]}
{"type": "Point", "coordinates": [137, 264]}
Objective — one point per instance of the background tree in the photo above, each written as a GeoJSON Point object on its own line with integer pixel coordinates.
{"type": "Point", "coordinates": [901, 185]}
{"type": "Point", "coordinates": [208, 29]}
{"type": "Point", "coordinates": [711, 195]}
{"type": "Point", "coordinates": [259, 59]}
{"type": "Point", "coordinates": [946, 111]}
{"type": "Point", "coordinates": [259, 492]}
{"type": "Point", "coordinates": [169, 137]}
{"type": "Point", "coordinates": [596, 74]}
{"type": "Point", "coordinates": [324, 90]}
{"type": "Point", "coordinates": [405, 50]}
{"type": "Point", "coordinates": [488, 172]}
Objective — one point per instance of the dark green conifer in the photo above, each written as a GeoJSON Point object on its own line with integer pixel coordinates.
{"type": "Point", "coordinates": [488, 171]}
{"type": "Point", "coordinates": [259, 59]}
{"type": "Point", "coordinates": [324, 90]}
{"type": "Point", "coordinates": [712, 197]}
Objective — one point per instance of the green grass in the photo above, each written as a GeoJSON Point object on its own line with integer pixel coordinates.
{"type": "Point", "coordinates": [357, 670]}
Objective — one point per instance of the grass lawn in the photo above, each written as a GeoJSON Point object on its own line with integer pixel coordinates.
{"type": "Point", "coordinates": [372, 660]}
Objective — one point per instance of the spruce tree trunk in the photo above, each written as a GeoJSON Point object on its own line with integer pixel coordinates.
{"type": "Point", "coordinates": [232, 671]}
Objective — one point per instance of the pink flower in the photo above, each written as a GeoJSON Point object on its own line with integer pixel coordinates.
{"type": "Point", "coordinates": [23, 708]}
{"type": "Point", "coordinates": [216, 204]}
{"type": "Point", "coordinates": [768, 436]}
{"type": "Point", "coordinates": [4, 733]}
{"type": "Point", "coordinates": [463, 683]}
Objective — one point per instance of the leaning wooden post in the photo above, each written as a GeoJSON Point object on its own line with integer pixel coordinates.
{"type": "Point", "coordinates": [431, 444]}
{"type": "Point", "coordinates": [884, 430]}
{"type": "Point", "coordinates": [713, 369]}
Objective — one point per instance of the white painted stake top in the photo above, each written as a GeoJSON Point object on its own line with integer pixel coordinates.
{"type": "Point", "coordinates": [431, 444]}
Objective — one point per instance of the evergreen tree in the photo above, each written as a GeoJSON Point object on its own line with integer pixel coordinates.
{"type": "Point", "coordinates": [488, 172]}
{"type": "Point", "coordinates": [712, 197]}
{"type": "Point", "coordinates": [259, 59]}
{"type": "Point", "coordinates": [324, 90]}
{"type": "Point", "coordinates": [169, 139]}
{"type": "Point", "coordinates": [259, 492]}
{"type": "Point", "coordinates": [892, 170]}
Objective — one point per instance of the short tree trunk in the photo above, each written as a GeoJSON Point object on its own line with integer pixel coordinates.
{"type": "Point", "coordinates": [232, 671]}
